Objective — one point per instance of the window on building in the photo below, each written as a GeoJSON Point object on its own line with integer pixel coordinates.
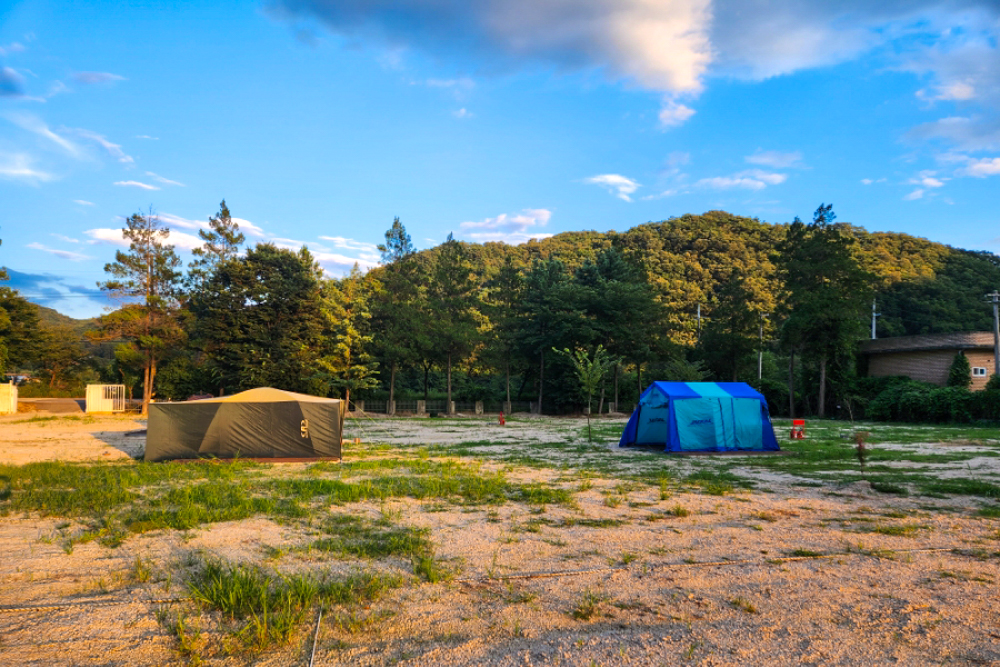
{"type": "Point", "coordinates": [978, 372]}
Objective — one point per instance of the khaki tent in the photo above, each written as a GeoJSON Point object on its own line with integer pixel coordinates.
{"type": "Point", "coordinates": [259, 423]}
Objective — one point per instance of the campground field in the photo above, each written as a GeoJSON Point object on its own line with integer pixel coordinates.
{"type": "Point", "coordinates": [461, 542]}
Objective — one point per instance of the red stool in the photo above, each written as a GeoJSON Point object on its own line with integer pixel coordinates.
{"type": "Point", "coordinates": [502, 420]}
{"type": "Point", "coordinates": [798, 429]}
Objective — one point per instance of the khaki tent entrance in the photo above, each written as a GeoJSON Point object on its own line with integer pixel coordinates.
{"type": "Point", "coordinates": [259, 423]}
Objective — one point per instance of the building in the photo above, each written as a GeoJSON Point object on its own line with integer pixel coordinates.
{"type": "Point", "coordinates": [928, 358]}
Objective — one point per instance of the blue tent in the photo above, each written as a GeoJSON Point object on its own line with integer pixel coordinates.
{"type": "Point", "coordinates": [701, 417]}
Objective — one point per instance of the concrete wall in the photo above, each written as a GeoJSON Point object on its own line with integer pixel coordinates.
{"type": "Point", "coordinates": [928, 366]}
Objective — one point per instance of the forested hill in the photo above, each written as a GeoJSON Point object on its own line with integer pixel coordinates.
{"type": "Point", "coordinates": [923, 287]}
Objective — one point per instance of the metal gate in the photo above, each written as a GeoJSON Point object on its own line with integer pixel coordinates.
{"type": "Point", "coordinates": [105, 398]}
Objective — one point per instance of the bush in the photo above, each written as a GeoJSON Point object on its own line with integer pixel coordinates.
{"type": "Point", "coordinates": [960, 373]}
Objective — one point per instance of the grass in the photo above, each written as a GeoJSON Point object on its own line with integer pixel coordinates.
{"type": "Point", "coordinates": [743, 604]}
{"type": "Point", "coordinates": [264, 609]}
{"type": "Point", "coordinates": [589, 606]}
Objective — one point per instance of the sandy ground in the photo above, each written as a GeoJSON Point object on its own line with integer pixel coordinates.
{"type": "Point", "coordinates": [712, 587]}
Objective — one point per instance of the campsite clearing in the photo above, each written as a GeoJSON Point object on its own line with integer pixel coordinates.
{"type": "Point", "coordinates": [460, 542]}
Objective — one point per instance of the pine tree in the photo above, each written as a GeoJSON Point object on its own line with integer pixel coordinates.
{"type": "Point", "coordinates": [146, 278]}
{"type": "Point", "coordinates": [960, 373]}
{"type": "Point", "coordinates": [397, 244]}
{"type": "Point", "coordinates": [222, 242]}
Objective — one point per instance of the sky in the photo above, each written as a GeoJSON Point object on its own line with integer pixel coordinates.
{"type": "Point", "coordinates": [319, 121]}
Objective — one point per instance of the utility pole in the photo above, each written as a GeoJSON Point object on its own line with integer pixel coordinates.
{"type": "Point", "coordinates": [874, 315]}
{"type": "Point", "coordinates": [760, 351]}
{"type": "Point", "coordinates": [994, 296]}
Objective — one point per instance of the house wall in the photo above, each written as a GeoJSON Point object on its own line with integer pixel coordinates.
{"type": "Point", "coordinates": [928, 366]}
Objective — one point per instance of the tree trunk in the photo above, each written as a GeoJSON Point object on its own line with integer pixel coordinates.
{"type": "Point", "coordinates": [600, 404]}
{"type": "Point", "coordinates": [507, 365]}
{"type": "Point", "coordinates": [541, 380]}
{"type": "Point", "coordinates": [447, 408]}
{"type": "Point", "coordinates": [791, 384]}
{"type": "Point", "coordinates": [427, 370]}
{"type": "Point", "coordinates": [392, 382]}
{"type": "Point", "coordinates": [616, 389]}
{"type": "Point", "coordinates": [822, 387]}
{"type": "Point", "coordinates": [347, 399]}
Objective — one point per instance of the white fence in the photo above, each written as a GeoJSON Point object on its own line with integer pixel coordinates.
{"type": "Point", "coordinates": [8, 398]}
{"type": "Point", "coordinates": [105, 398]}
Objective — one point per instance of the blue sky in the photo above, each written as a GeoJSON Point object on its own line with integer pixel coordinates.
{"type": "Point", "coordinates": [319, 121]}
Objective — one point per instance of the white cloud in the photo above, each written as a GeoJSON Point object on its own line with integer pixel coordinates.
{"type": "Point", "coordinates": [751, 179]}
{"type": "Point", "coordinates": [510, 229]}
{"type": "Point", "coordinates": [351, 244]}
{"type": "Point", "coordinates": [114, 237]}
{"type": "Point", "coordinates": [621, 186]}
{"type": "Point", "coordinates": [775, 159]}
{"type": "Point", "coordinates": [981, 168]}
{"type": "Point", "coordinates": [965, 133]}
{"type": "Point", "coordinates": [136, 184]}
{"type": "Point", "coordinates": [927, 179]}
{"type": "Point", "coordinates": [462, 83]}
{"type": "Point", "coordinates": [916, 194]}
{"type": "Point", "coordinates": [867, 181]}
{"type": "Point", "coordinates": [146, 136]}
{"type": "Point", "coordinates": [19, 167]}
{"type": "Point", "coordinates": [335, 263]}
{"type": "Point", "coordinates": [97, 77]}
{"type": "Point", "coordinates": [83, 202]}
{"type": "Point", "coordinates": [161, 179]}
{"type": "Point", "coordinates": [61, 254]}
{"type": "Point", "coordinates": [114, 150]}
{"type": "Point", "coordinates": [36, 125]}
{"type": "Point", "coordinates": [661, 45]}
{"type": "Point", "coordinates": [463, 113]}
{"type": "Point", "coordinates": [249, 228]}
{"type": "Point", "coordinates": [673, 113]}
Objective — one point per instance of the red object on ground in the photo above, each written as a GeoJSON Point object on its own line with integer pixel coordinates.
{"type": "Point", "coordinates": [798, 429]}
{"type": "Point", "coordinates": [502, 420]}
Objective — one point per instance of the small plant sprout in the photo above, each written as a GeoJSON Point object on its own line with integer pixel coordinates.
{"type": "Point", "coordinates": [590, 371]}
{"type": "Point", "coordinates": [860, 450]}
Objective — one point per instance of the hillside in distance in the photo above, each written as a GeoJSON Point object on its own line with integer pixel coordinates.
{"type": "Point", "coordinates": [922, 286]}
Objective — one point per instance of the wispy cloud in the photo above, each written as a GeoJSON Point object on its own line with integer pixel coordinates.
{"type": "Point", "coordinates": [114, 237]}
{"type": "Point", "coordinates": [161, 179]}
{"type": "Point", "coordinates": [510, 229]}
{"type": "Point", "coordinates": [97, 77]}
{"type": "Point", "coordinates": [927, 179]}
{"type": "Point", "coordinates": [870, 181]}
{"type": "Point", "coordinates": [462, 113]}
{"type": "Point", "coordinates": [32, 123]}
{"type": "Point", "coordinates": [916, 194]}
{"type": "Point", "coordinates": [20, 167]}
{"type": "Point", "coordinates": [61, 254]}
{"type": "Point", "coordinates": [114, 150]}
{"type": "Point", "coordinates": [11, 83]}
{"type": "Point", "coordinates": [751, 179]}
{"type": "Point", "coordinates": [65, 239]}
{"type": "Point", "coordinates": [621, 186]}
{"type": "Point", "coordinates": [775, 159]}
{"type": "Point", "coordinates": [136, 184]}
{"type": "Point", "coordinates": [673, 113]}
{"type": "Point", "coordinates": [982, 168]}
{"type": "Point", "coordinates": [83, 202]}
{"type": "Point", "coordinates": [146, 136]}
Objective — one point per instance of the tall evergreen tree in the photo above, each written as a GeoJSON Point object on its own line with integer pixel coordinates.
{"type": "Point", "coordinates": [348, 340]}
{"type": "Point", "coordinates": [397, 244]}
{"type": "Point", "coordinates": [222, 242]}
{"type": "Point", "coordinates": [828, 293]}
{"type": "Point", "coordinates": [260, 322]}
{"type": "Point", "coordinates": [146, 278]}
{"type": "Point", "coordinates": [452, 300]}
{"type": "Point", "coordinates": [732, 331]}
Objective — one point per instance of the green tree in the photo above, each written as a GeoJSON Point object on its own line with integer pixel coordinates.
{"type": "Point", "coordinates": [828, 293]}
{"type": "Point", "coordinates": [549, 318]}
{"type": "Point", "coordinates": [397, 244]}
{"type": "Point", "coordinates": [146, 278]}
{"type": "Point", "coordinates": [453, 303]}
{"type": "Point", "coordinates": [502, 297]}
{"type": "Point", "coordinates": [20, 330]}
{"type": "Point", "coordinates": [348, 340]}
{"type": "Point", "coordinates": [732, 332]}
{"type": "Point", "coordinates": [590, 372]}
{"type": "Point", "coordinates": [222, 242]}
{"type": "Point", "coordinates": [960, 373]}
{"type": "Point", "coordinates": [259, 321]}
{"type": "Point", "coordinates": [61, 351]}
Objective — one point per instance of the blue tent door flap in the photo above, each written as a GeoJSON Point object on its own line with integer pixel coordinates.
{"type": "Point", "coordinates": [701, 416]}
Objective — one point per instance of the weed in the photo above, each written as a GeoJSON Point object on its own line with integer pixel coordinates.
{"type": "Point", "coordinates": [589, 606]}
{"type": "Point", "coordinates": [887, 487]}
{"type": "Point", "coordinates": [743, 604]}
{"type": "Point", "coordinates": [805, 553]}
{"type": "Point", "coordinates": [679, 511]}
{"type": "Point", "coordinates": [142, 570]}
